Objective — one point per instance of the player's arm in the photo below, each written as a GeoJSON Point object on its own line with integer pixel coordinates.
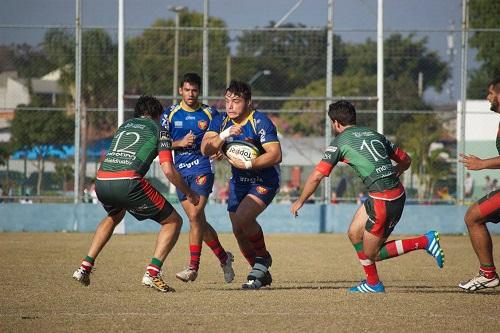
{"type": "Point", "coordinates": [212, 141]}
{"type": "Point", "coordinates": [402, 159]}
{"type": "Point", "coordinates": [472, 162]}
{"type": "Point", "coordinates": [175, 178]}
{"type": "Point", "coordinates": [186, 141]}
{"type": "Point", "coordinates": [310, 187]}
{"type": "Point", "coordinates": [271, 156]}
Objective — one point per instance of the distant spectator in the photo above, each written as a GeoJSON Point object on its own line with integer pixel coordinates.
{"type": "Point", "coordinates": [360, 200]}
{"type": "Point", "coordinates": [468, 185]}
{"type": "Point", "coordinates": [341, 187]}
{"type": "Point", "coordinates": [26, 200]}
{"type": "Point", "coordinates": [488, 184]}
{"type": "Point", "coordinates": [334, 200]}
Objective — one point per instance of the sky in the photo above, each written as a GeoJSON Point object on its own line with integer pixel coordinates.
{"type": "Point", "coordinates": [399, 15]}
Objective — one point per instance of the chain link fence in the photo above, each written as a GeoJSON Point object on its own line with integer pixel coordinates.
{"type": "Point", "coordinates": [286, 67]}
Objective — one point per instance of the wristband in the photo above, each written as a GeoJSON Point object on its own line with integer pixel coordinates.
{"type": "Point", "coordinates": [248, 164]}
{"type": "Point", "coordinates": [225, 134]}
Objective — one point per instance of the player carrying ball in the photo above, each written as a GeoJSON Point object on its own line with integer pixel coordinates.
{"type": "Point", "coordinates": [370, 154]}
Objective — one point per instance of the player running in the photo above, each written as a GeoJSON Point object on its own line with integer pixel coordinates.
{"type": "Point", "coordinates": [187, 122]}
{"type": "Point", "coordinates": [254, 183]}
{"type": "Point", "coordinates": [487, 209]}
{"type": "Point", "coordinates": [370, 154]}
{"type": "Point", "coordinates": [121, 187]}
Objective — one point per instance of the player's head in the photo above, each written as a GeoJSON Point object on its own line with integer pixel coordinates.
{"type": "Point", "coordinates": [148, 106]}
{"type": "Point", "coordinates": [189, 89]}
{"type": "Point", "coordinates": [342, 114]}
{"type": "Point", "coordinates": [238, 99]}
{"type": "Point", "coordinates": [494, 95]}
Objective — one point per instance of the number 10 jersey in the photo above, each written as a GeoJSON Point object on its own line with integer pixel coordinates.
{"type": "Point", "coordinates": [369, 153]}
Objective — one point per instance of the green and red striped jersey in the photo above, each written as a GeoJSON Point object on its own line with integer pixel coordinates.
{"type": "Point", "coordinates": [135, 145]}
{"type": "Point", "coordinates": [369, 153]}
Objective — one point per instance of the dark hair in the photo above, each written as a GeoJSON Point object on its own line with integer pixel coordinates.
{"type": "Point", "coordinates": [241, 89]}
{"type": "Point", "coordinates": [148, 106]}
{"type": "Point", "coordinates": [191, 78]}
{"type": "Point", "coordinates": [496, 84]}
{"type": "Point", "coordinates": [343, 112]}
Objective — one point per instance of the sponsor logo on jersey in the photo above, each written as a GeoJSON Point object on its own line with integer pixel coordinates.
{"type": "Point", "coordinates": [361, 134]}
{"type": "Point", "coordinates": [188, 165]}
{"type": "Point", "coordinates": [202, 124]}
{"type": "Point", "coordinates": [261, 189]}
{"type": "Point", "coordinates": [327, 156]}
{"type": "Point", "coordinates": [333, 149]}
{"type": "Point", "coordinates": [201, 180]}
{"type": "Point", "coordinates": [178, 124]}
{"type": "Point", "coordinates": [190, 118]}
{"type": "Point", "coordinates": [164, 135]}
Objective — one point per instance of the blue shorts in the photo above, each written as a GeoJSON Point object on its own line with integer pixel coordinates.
{"type": "Point", "coordinates": [238, 191]}
{"type": "Point", "coordinates": [200, 184]}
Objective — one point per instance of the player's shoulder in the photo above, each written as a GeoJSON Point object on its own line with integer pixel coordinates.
{"type": "Point", "coordinates": [261, 119]}
{"type": "Point", "coordinates": [209, 110]}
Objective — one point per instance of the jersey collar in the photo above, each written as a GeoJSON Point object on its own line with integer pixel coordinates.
{"type": "Point", "coordinates": [187, 108]}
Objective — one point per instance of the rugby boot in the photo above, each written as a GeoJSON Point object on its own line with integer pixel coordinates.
{"type": "Point", "coordinates": [82, 275]}
{"type": "Point", "coordinates": [156, 282]}
{"type": "Point", "coordinates": [479, 282]}
{"type": "Point", "coordinates": [227, 268]}
{"type": "Point", "coordinates": [187, 275]}
{"type": "Point", "coordinates": [433, 247]}
{"type": "Point", "coordinates": [259, 276]}
{"type": "Point", "coordinates": [364, 287]}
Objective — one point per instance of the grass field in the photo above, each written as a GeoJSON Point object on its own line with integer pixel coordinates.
{"type": "Point", "coordinates": [311, 274]}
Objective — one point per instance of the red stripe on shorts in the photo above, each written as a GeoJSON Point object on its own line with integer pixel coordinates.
{"type": "Point", "coordinates": [155, 196]}
{"type": "Point", "coordinates": [380, 217]}
{"type": "Point", "coordinates": [490, 205]}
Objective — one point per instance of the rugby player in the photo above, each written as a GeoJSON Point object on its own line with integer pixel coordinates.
{"type": "Point", "coordinates": [121, 187]}
{"type": "Point", "coordinates": [254, 183]}
{"type": "Point", "coordinates": [487, 209]}
{"type": "Point", "coordinates": [187, 122]}
{"type": "Point", "coordinates": [370, 154]}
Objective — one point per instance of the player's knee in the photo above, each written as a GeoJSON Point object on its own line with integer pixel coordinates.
{"type": "Point", "coordinates": [472, 216]}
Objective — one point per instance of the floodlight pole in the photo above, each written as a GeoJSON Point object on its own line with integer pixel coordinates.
{"type": "Point", "coordinates": [463, 99]}
{"type": "Point", "coordinates": [329, 93]}
{"type": "Point", "coordinates": [205, 52]}
{"type": "Point", "coordinates": [78, 84]}
{"type": "Point", "coordinates": [380, 67]}
{"type": "Point", "coordinates": [121, 62]}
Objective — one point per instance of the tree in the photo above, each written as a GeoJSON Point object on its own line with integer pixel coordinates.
{"type": "Point", "coordinates": [42, 131]}
{"type": "Point", "coordinates": [408, 57]}
{"type": "Point", "coordinates": [487, 45]}
{"type": "Point", "coordinates": [149, 56]}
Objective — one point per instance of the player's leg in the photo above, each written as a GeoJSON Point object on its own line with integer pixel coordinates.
{"type": "Point", "coordinates": [226, 258]}
{"type": "Point", "coordinates": [236, 195]}
{"type": "Point", "coordinates": [485, 210]}
{"type": "Point", "coordinates": [102, 234]}
{"type": "Point", "coordinates": [165, 242]}
{"type": "Point", "coordinates": [366, 252]}
{"type": "Point", "coordinates": [197, 224]}
{"type": "Point", "coordinates": [147, 203]}
{"type": "Point", "coordinates": [394, 248]}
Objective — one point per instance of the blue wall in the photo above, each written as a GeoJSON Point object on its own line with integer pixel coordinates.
{"type": "Point", "coordinates": [275, 219]}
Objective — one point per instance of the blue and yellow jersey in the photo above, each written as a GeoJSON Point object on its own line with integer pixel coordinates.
{"type": "Point", "coordinates": [180, 119]}
{"type": "Point", "coordinates": [258, 130]}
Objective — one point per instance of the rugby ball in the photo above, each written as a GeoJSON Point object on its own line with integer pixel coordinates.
{"type": "Point", "coordinates": [241, 150]}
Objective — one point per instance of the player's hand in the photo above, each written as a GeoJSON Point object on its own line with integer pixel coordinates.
{"type": "Point", "coordinates": [295, 208]}
{"type": "Point", "coordinates": [193, 198]}
{"type": "Point", "coordinates": [238, 164]}
{"type": "Point", "coordinates": [471, 162]}
{"type": "Point", "coordinates": [217, 156]}
{"type": "Point", "coordinates": [188, 140]}
{"type": "Point", "coordinates": [235, 130]}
